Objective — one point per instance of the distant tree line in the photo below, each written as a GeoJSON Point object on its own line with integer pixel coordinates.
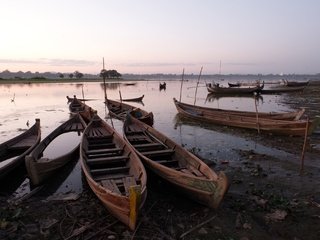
{"type": "Point", "coordinates": [109, 74]}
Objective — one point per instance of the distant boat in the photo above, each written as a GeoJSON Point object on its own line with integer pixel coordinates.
{"type": "Point", "coordinates": [217, 89]}
{"type": "Point", "coordinates": [282, 89]}
{"type": "Point", "coordinates": [121, 109]}
{"type": "Point", "coordinates": [13, 151]}
{"type": "Point", "coordinates": [293, 115]}
{"type": "Point", "coordinates": [268, 125]}
{"type": "Point", "coordinates": [78, 106]}
{"type": "Point", "coordinates": [137, 99]}
{"type": "Point", "coordinates": [162, 86]}
{"type": "Point", "coordinates": [295, 83]}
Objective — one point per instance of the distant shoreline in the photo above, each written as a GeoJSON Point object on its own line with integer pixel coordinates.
{"type": "Point", "coordinates": [29, 81]}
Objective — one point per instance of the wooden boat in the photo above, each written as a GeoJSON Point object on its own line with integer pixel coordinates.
{"type": "Point", "coordinates": [217, 89]}
{"type": "Point", "coordinates": [294, 115]}
{"type": "Point", "coordinates": [40, 168]}
{"type": "Point", "coordinates": [120, 110]}
{"type": "Point", "coordinates": [130, 84]}
{"type": "Point", "coordinates": [162, 86]}
{"type": "Point", "coordinates": [282, 89]}
{"type": "Point", "coordinates": [276, 126]}
{"type": "Point", "coordinates": [175, 164]}
{"type": "Point", "coordinates": [234, 84]}
{"type": "Point", "coordinates": [13, 151]}
{"type": "Point", "coordinates": [78, 106]}
{"type": "Point", "coordinates": [295, 83]}
{"type": "Point", "coordinates": [113, 171]}
{"type": "Point", "coordinates": [138, 99]}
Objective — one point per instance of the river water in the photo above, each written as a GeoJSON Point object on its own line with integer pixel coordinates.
{"type": "Point", "coordinates": [21, 104]}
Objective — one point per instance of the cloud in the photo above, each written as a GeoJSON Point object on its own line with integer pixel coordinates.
{"type": "Point", "coordinates": [50, 62]}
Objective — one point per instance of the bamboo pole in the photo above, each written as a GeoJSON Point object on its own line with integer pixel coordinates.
{"type": "Point", "coordinates": [195, 94]}
{"type": "Point", "coordinates": [181, 85]}
{"type": "Point", "coordinates": [304, 147]}
{"type": "Point", "coordinates": [257, 115]}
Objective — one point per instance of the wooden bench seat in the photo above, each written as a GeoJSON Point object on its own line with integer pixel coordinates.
{"type": "Point", "coordinates": [111, 185]}
{"type": "Point", "coordinates": [96, 146]}
{"type": "Point", "coordinates": [163, 152]}
{"type": "Point", "coordinates": [100, 139]}
{"type": "Point", "coordinates": [148, 146]}
{"type": "Point", "coordinates": [106, 160]}
{"type": "Point", "coordinates": [102, 151]}
{"type": "Point", "coordinates": [117, 177]}
{"type": "Point", "coordinates": [169, 163]}
{"type": "Point", "coordinates": [110, 170]}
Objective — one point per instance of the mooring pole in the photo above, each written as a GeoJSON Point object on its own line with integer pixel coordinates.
{"type": "Point", "coordinates": [181, 85]}
{"type": "Point", "coordinates": [304, 147]}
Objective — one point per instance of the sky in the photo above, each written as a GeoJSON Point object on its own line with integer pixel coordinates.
{"type": "Point", "coordinates": [167, 36]}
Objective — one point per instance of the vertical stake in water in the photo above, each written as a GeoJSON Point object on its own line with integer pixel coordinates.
{"type": "Point", "coordinates": [257, 115]}
{"type": "Point", "coordinates": [304, 147]}
{"type": "Point", "coordinates": [195, 94]}
{"type": "Point", "coordinates": [104, 80]}
{"type": "Point", "coordinates": [82, 91]}
{"type": "Point", "coordinates": [181, 85]}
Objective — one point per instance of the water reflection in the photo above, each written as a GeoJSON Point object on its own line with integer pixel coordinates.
{"type": "Point", "coordinates": [211, 97]}
{"type": "Point", "coordinates": [62, 145]}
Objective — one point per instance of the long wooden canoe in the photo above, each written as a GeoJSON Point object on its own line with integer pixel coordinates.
{"type": "Point", "coordinates": [282, 89]}
{"type": "Point", "coordinates": [13, 151]}
{"type": "Point", "coordinates": [295, 83]}
{"type": "Point", "coordinates": [175, 164]}
{"type": "Point", "coordinates": [293, 115]}
{"type": "Point", "coordinates": [276, 126]}
{"type": "Point", "coordinates": [113, 171]}
{"type": "Point", "coordinates": [137, 99]}
{"type": "Point", "coordinates": [40, 168]}
{"type": "Point", "coordinates": [120, 110]}
{"type": "Point", "coordinates": [78, 106]}
{"type": "Point", "coordinates": [215, 88]}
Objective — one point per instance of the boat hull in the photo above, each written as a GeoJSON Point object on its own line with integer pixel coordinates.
{"type": "Point", "coordinates": [175, 164]}
{"type": "Point", "coordinates": [108, 163]}
{"type": "Point", "coordinates": [39, 168]}
{"type": "Point", "coordinates": [17, 148]}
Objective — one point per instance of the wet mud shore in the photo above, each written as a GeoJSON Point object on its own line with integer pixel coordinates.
{"type": "Point", "coordinates": [269, 198]}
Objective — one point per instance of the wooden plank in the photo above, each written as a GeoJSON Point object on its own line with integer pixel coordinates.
{"type": "Point", "coordinates": [127, 182]}
{"type": "Point", "coordinates": [169, 163]}
{"type": "Point", "coordinates": [195, 171]}
{"type": "Point", "coordinates": [143, 147]}
{"type": "Point", "coordinates": [104, 150]}
{"type": "Point", "coordinates": [110, 170]}
{"type": "Point", "coordinates": [117, 177]}
{"type": "Point", "coordinates": [162, 152]}
{"type": "Point", "coordinates": [112, 159]}
{"type": "Point", "coordinates": [111, 185]}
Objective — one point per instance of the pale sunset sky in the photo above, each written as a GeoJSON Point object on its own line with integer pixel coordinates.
{"type": "Point", "coordinates": [163, 36]}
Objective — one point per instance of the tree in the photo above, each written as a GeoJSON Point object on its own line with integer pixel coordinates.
{"type": "Point", "coordinates": [104, 74]}
{"type": "Point", "coordinates": [71, 75]}
{"type": "Point", "coordinates": [78, 74]}
{"type": "Point", "coordinates": [60, 75]}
